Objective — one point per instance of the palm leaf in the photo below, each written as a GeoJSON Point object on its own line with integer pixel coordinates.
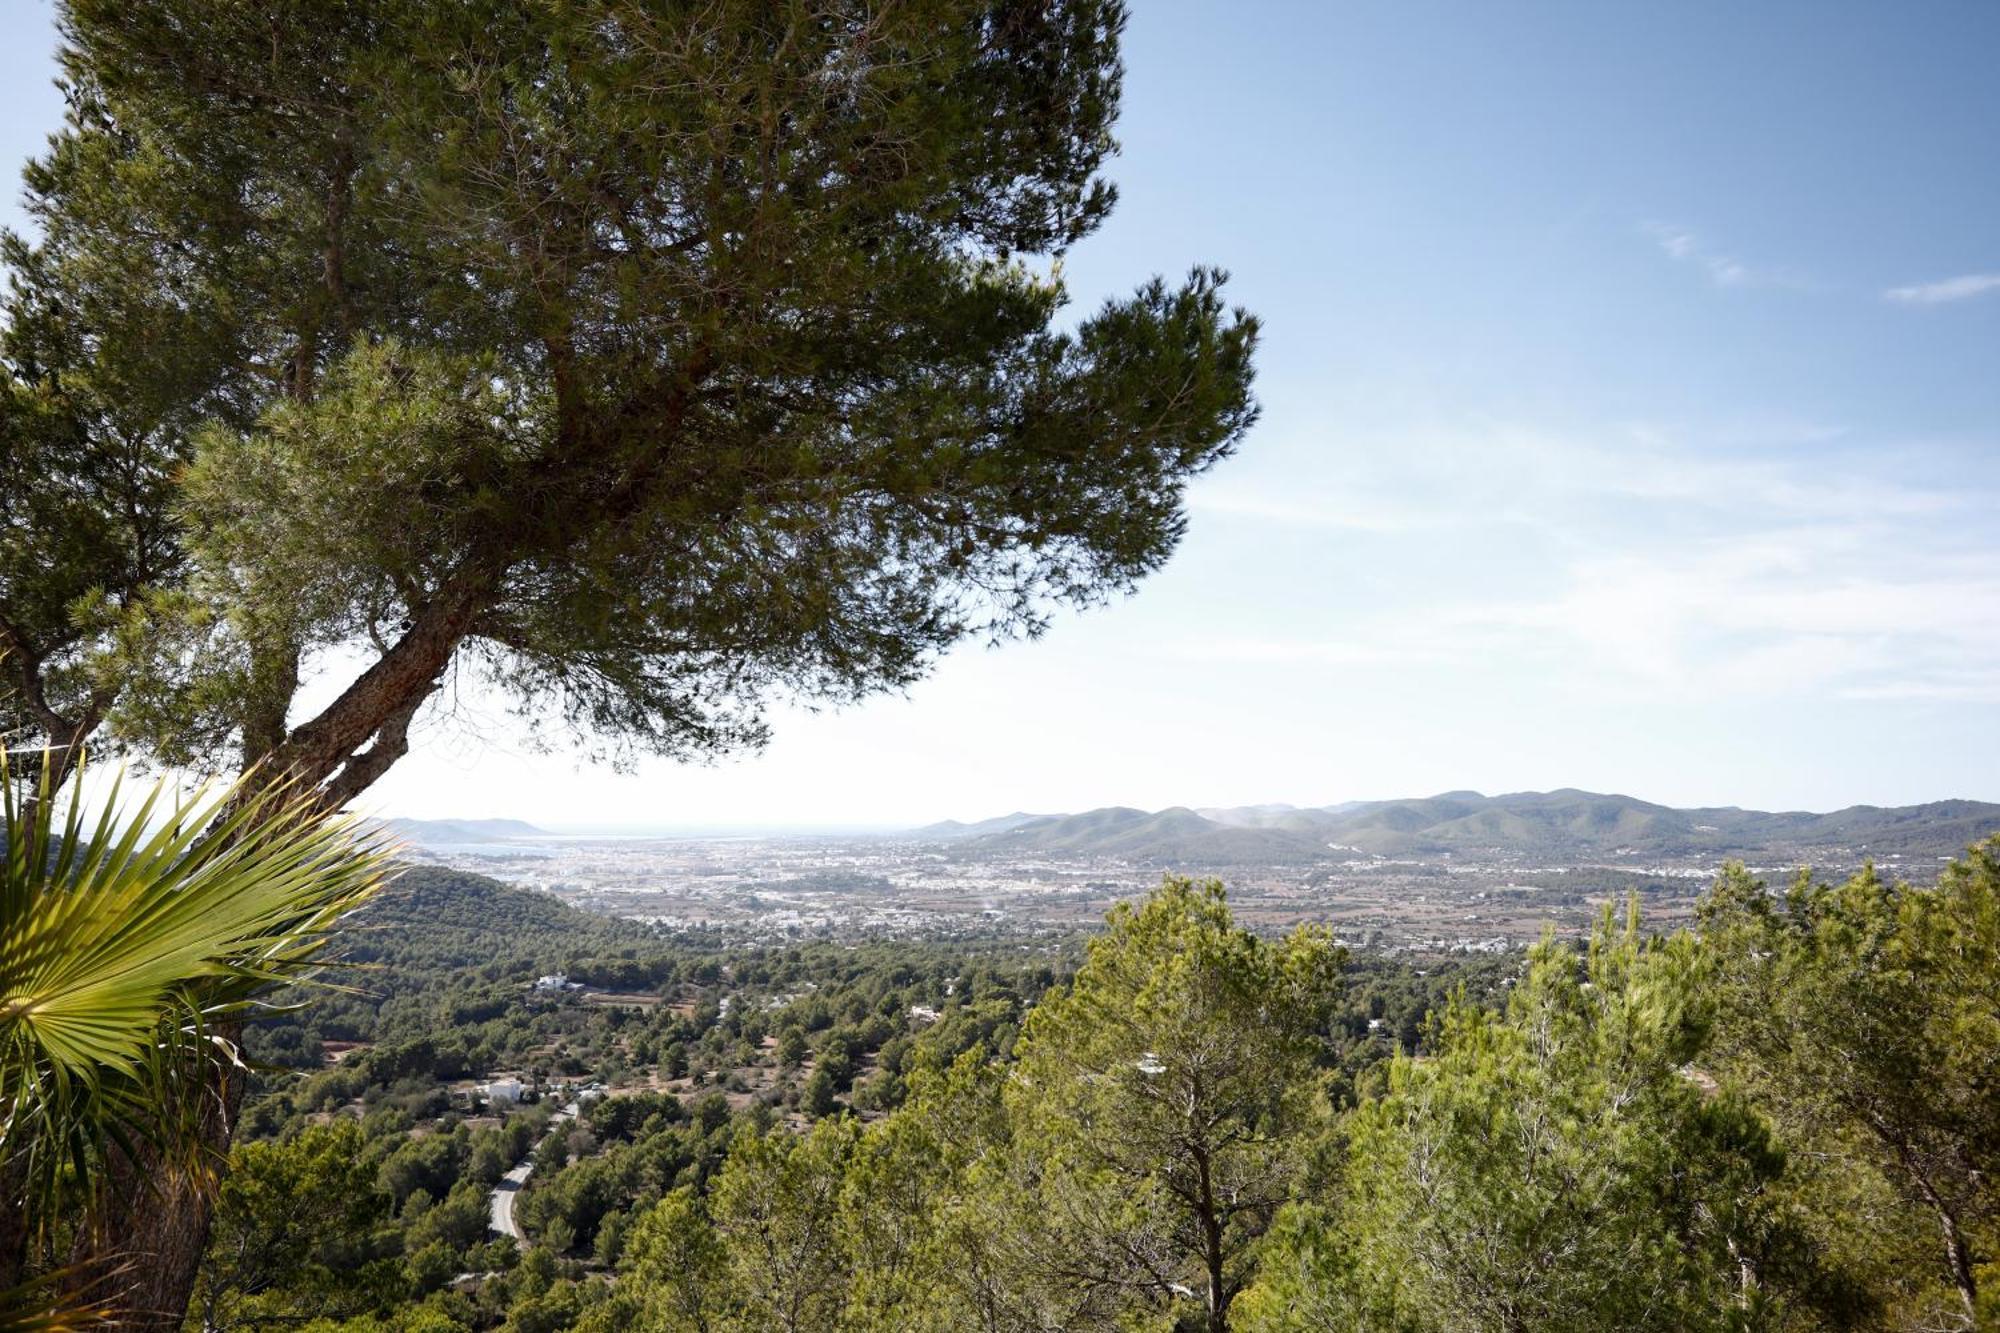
{"type": "Point", "coordinates": [54, 1302]}
{"type": "Point", "coordinates": [129, 945]}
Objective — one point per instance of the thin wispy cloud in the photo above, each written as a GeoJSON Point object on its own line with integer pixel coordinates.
{"type": "Point", "coordinates": [1495, 473]}
{"type": "Point", "coordinates": [1272, 651]}
{"type": "Point", "coordinates": [1789, 614]}
{"type": "Point", "coordinates": [1652, 564]}
{"type": "Point", "coordinates": [1962, 288]}
{"type": "Point", "coordinates": [1684, 246]}
{"type": "Point", "coordinates": [1942, 687]}
{"type": "Point", "coordinates": [1352, 511]}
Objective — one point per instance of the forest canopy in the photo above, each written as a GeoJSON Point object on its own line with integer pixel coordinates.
{"type": "Point", "coordinates": [1183, 1125]}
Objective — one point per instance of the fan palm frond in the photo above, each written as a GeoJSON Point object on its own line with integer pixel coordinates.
{"type": "Point", "coordinates": [50, 1303]}
{"type": "Point", "coordinates": [131, 944]}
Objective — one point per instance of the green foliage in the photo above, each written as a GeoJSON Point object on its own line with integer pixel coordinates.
{"type": "Point", "coordinates": [1155, 1123]}
{"type": "Point", "coordinates": [428, 1268]}
{"type": "Point", "coordinates": [1168, 1092]}
{"type": "Point", "coordinates": [428, 1165]}
{"type": "Point", "coordinates": [458, 1220]}
{"type": "Point", "coordinates": [1866, 1015]}
{"type": "Point", "coordinates": [298, 1234]}
{"type": "Point", "coordinates": [1552, 1168]}
{"type": "Point", "coordinates": [675, 1266]}
{"type": "Point", "coordinates": [102, 386]}
{"type": "Point", "coordinates": [819, 1097]}
{"type": "Point", "coordinates": [776, 1210]}
{"type": "Point", "coordinates": [124, 944]}
{"type": "Point", "coordinates": [792, 1048]}
{"type": "Point", "coordinates": [1641, 1133]}
{"type": "Point", "coordinates": [651, 360]}
{"type": "Point", "coordinates": [307, 526]}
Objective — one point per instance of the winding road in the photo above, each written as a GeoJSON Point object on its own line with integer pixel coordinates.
{"type": "Point", "coordinates": [500, 1218]}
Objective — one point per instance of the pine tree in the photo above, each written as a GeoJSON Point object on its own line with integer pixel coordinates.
{"type": "Point", "coordinates": [1167, 1098]}
{"type": "Point", "coordinates": [645, 362]}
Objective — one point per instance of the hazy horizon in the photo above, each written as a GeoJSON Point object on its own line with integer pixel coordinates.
{"type": "Point", "coordinates": [771, 828]}
{"type": "Point", "coordinates": [1629, 424]}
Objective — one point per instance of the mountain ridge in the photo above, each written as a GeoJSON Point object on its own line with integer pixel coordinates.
{"type": "Point", "coordinates": [432, 832]}
{"type": "Point", "coordinates": [1566, 822]}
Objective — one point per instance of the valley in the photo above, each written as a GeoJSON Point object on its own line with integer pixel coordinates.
{"type": "Point", "coordinates": [1458, 873]}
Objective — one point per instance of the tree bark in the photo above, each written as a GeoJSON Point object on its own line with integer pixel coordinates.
{"type": "Point", "coordinates": [337, 755]}
{"type": "Point", "coordinates": [13, 1221]}
{"type": "Point", "coordinates": [389, 692]}
{"type": "Point", "coordinates": [65, 735]}
{"type": "Point", "coordinates": [1214, 1257]}
{"type": "Point", "coordinates": [142, 1257]}
{"type": "Point", "coordinates": [1957, 1258]}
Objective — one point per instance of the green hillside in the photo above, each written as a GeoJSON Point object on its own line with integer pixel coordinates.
{"type": "Point", "coordinates": [1566, 824]}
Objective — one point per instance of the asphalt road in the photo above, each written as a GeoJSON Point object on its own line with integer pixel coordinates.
{"type": "Point", "coordinates": [501, 1215]}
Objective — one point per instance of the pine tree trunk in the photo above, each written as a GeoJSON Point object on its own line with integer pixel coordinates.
{"type": "Point", "coordinates": [1957, 1257]}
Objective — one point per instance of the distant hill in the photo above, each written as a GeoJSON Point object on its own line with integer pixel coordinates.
{"type": "Point", "coordinates": [1178, 834]}
{"type": "Point", "coordinates": [1563, 826]}
{"type": "Point", "coordinates": [433, 832]}
{"type": "Point", "coordinates": [1249, 816]}
{"type": "Point", "coordinates": [434, 898]}
{"type": "Point", "coordinates": [432, 929]}
{"type": "Point", "coordinates": [951, 828]}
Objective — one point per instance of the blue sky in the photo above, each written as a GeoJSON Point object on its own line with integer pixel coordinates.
{"type": "Point", "coordinates": [1630, 422]}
